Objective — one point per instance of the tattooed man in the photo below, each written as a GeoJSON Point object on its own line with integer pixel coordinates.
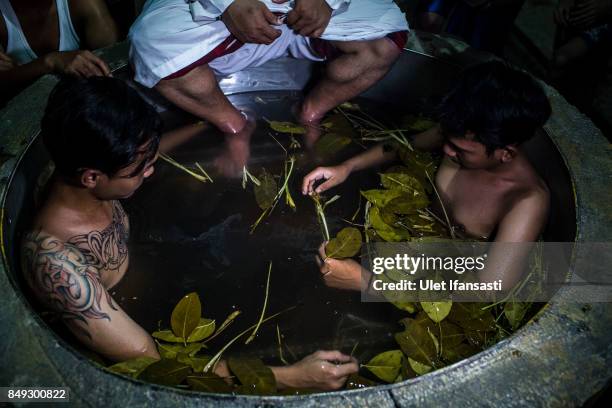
{"type": "Point", "coordinates": [103, 139]}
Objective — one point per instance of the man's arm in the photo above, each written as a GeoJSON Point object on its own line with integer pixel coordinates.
{"type": "Point", "coordinates": [62, 280]}
{"type": "Point", "coordinates": [428, 140]}
{"type": "Point", "coordinates": [518, 229]}
{"type": "Point", "coordinates": [94, 23]}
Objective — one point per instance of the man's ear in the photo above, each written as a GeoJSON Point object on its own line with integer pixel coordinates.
{"type": "Point", "coordinates": [508, 153]}
{"type": "Point", "coordinates": [90, 178]}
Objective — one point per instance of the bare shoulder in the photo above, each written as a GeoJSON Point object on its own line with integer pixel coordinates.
{"type": "Point", "coordinates": [87, 8]}
{"type": "Point", "coordinates": [62, 279]}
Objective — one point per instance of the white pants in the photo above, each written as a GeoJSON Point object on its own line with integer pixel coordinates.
{"type": "Point", "coordinates": [165, 39]}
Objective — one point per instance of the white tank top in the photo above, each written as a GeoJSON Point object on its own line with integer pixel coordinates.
{"type": "Point", "coordinates": [17, 46]}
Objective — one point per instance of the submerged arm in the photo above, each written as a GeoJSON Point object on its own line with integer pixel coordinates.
{"type": "Point", "coordinates": [63, 281]}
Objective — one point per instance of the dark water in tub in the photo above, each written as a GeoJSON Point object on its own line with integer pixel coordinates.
{"type": "Point", "coordinates": [188, 236]}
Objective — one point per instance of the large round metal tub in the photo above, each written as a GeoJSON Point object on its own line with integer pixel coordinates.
{"type": "Point", "coordinates": [561, 357]}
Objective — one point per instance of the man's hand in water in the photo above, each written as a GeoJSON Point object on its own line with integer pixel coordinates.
{"type": "Point", "coordinates": [333, 176]}
{"type": "Point", "coordinates": [83, 64]}
{"type": "Point", "coordinates": [6, 62]}
{"type": "Point", "coordinates": [322, 370]}
{"type": "Point", "coordinates": [308, 17]}
{"type": "Point", "coordinates": [339, 273]}
{"type": "Point", "coordinates": [250, 20]}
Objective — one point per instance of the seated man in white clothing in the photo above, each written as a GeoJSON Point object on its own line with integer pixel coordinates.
{"type": "Point", "coordinates": [178, 46]}
{"type": "Point", "coordinates": [39, 37]}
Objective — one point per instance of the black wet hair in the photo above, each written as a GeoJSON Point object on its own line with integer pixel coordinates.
{"type": "Point", "coordinates": [98, 123]}
{"type": "Point", "coordinates": [500, 105]}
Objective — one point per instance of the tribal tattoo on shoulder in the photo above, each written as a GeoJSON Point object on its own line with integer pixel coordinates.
{"type": "Point", "coordinates": [107, 249]}
{"type": "Point", "coordinates": [59, 274]}
{"type": "Point", "coordinates": [66, 276]}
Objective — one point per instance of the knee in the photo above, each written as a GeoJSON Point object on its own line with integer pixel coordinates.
{"type": "Point", "coordinates": [383, 52]}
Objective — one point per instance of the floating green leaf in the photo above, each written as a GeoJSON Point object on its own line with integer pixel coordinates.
{"type": "Point", "coordinates": [166, 372]}
{"type": "Point", "coordinates": [346, 244]}
{"type": "Point", "coordinates": [204, 329]}
{"type": "Point", "coordinates": [254, 376]}
{"type": "Point", "coordinates": [437, 311]}
{"type": "Point", "coordinates": [132, 367]}
{"type": "Point", "coordinates": [171, 351]}
{"type": "Point", "coordinates": [418, 367]}
{"type": "Point", "coordinates": [196, 363]}
{"type": "Point", "coordinates": [186, 315]}
{"type": "Point", "coordinates": [384, 230]}
{"type": "Point", "coordinates": [209, 383]}
{"type": "Point", "coordinates": [404, 182]}
{"type": "Point", "coordinates": [331, 143]}
{"type": "Point", "coordinates": [470, 316]}
{"type": "Point", "coordinates": [416, 342]}
{"type": "Point", "coordinates": [417, 123]}
{"type": "Point", "coordinates": [380, 198]}
{"type": "Point", "coordinates": [451, 334]}
{"type": "Point", "coordinates": [265, 192]}
{"type": "Point", "coordinates": [515, 313]}
{"type": "Point", "coordinates": [458, 352]}
{"type": "Point", "coordinates": [167, 335]}
{"type": "Point", "coordinates": [387, 365]}
{"type": "Point", "coordinates": [407, 306]}
{"type": "Point", "coordinates": [287, 127]}
{"type": "Point", "coordinates": [407, 204]}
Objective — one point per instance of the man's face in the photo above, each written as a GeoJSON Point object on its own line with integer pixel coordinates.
{"type": "Point", "coordinates": [126, 181]}
{"type": "Point", "coordinates": [469, 153]}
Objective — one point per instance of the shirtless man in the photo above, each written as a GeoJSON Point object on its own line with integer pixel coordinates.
{"type": "Point", "coordinates": [486, 182]}
{"type": "Point", "coordinates": [180, 57]}
{"type": "Point", "coordinates": [39, 37]}
{"type": "Point", "coordinates": [76, 250]}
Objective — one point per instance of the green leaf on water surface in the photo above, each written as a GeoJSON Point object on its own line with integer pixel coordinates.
{"type": "Point", "coordinates": [356, 381]}
{"type": "Point", "coordinates": [380, 198]}
{"type": "Point", "coordinates": [451, 334]}
{"type": "Point", "coordinates": [166, 372]}
{"type": "Point", "coordinates": [167, 335]}
{"type": "Point", "coordinates": [404, 182]}
{"type": "Point", "coordinates": [331, 143]}
{"type": "Point", "coordinates": [254, 376]}
{"type": "Point", "coordinates": [132, 367]}
{"type": "Point", "coordinates": [418, 367]}
{"type": "Point", "coordinates": [454, 353]}
{"type": "Point", "coordinates": [470, 316]}
{"type": "Point", "coordinates": [384, 230]}
{"type": "Point", "coordinates": [437, 311]}
{"type": "Point", "coordinates": [416, 123]}
{"type": "Point", "coordinates": [171, 351]}
{"type": "Point", "coordinates": [416, 342]}
{"type": "Point", "coordinates": [186, 315]}
{"type": "Point", "coordinates": [407, 204]}
{"type": "Point", "coordinates": [204, 329]}
{"type": "Point", "coordinates": [287, 127]}
{"type": "Point", "coordinates": [406, 306]}
{"type": "Point", "coordinates": [266, 191]}
{"type": "Point", "coordinates": [209, 383]}
{"type": "Point", "coordinates": [196, 363]}
{"type": "Point", "coordinates": [339, 124]}
{"type": "Point", "coordinates": [386, 365]}
{"type": "Point", "coordinates": [515, 313]}
{"type": "Point", "coordinates": [346, 244]}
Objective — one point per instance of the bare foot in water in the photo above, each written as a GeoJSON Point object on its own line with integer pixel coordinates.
{"type": "Point", "coordinates": [236, 151]}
